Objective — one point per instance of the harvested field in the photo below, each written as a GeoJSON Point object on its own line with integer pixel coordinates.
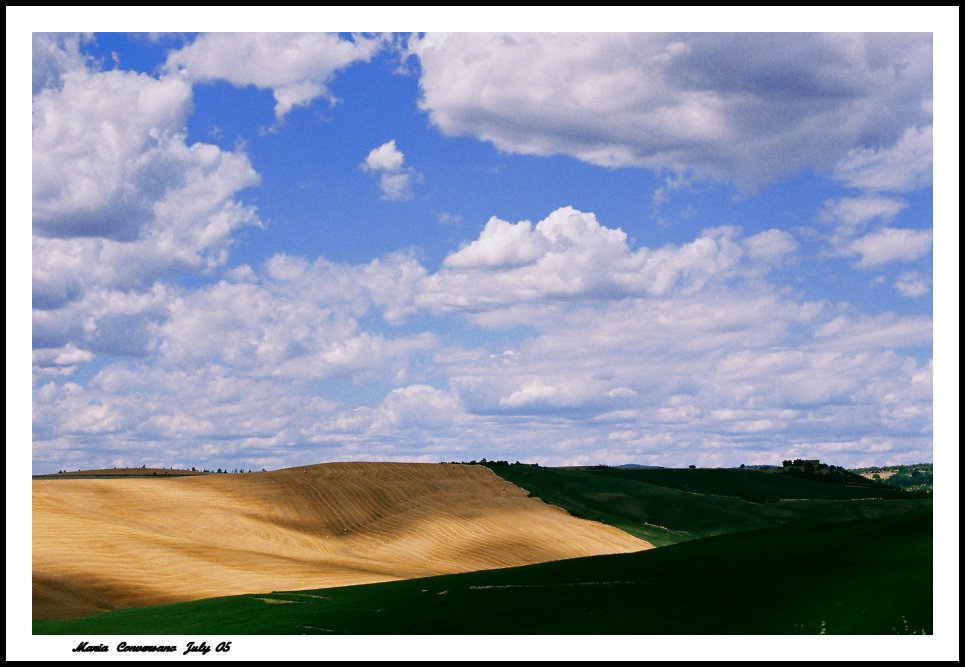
{"type": "Point", "coordinates": [101, 544]}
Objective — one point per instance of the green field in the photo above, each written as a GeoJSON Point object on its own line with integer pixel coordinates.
{"type": "Point", "coordinates": [861, 577]}
{"type": "Point", "coordinates": [668, 506]}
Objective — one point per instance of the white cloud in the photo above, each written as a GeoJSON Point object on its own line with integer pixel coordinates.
{"type": "Point", "coordinates": [501, 244]}
{"type": "Point", "coordinates": [90, 153]}
{"type": "Point", "coordinates": [119, 198]}
{"type": "Point", "coordinates": [105, 321]}
{"type": "Point", "coordinates": [395, 178]}
{"type": "Point", "coordinates": [905, 166]}
{"type": "Point", "coordinates": [714, 376]}
{"type": "Point", "coordinates": [617, 355]}
{"type": "Point", "coordinates": [622, 353]}
{"type": "Point", "coordinates": [569, 254]}
{"type": "Point", "coordinates": [537, 392]}
{"type": "Point", "coordinates": [170, 416]}
{"type": "Point", "coordinates": [880, 332]}
{"type": "Point", "coordinates": [396, 186]}
{"type": "Point", "coordinates": [849, 214]}
{"type": "Point", "coordinates": [417, 406]}
{"type": "Point", "coordinates": [770, 245]}
{"type": "Point", "coordinates": [299, 320]}
{"type": "Point", "coordinates": [296, 67]}
{"type": "Point", "coordinates": [706, 376]}
{"type": "Point", "coordinates": [911, 284]}
{"type": "Point", "coordinates": [747, 108]}
{"type": "Point", "coordinates": [53, 55]}
{"type": "Point", "coordinates": [384, 158]}
{"type": "Point", "coordinates": [120, 201]}
{"type": "Point", "coordinates": [60, 361]}
{"type": "Point", "coordinates": [621, 392]}
{"type": "Point", "coordinates": [892, 245]}
{"type": "Point", "coordinates": [449, 218]}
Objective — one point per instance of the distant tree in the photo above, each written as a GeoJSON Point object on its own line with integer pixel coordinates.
{"type": "Point", "coordinates": [692, 466]}
{"type": "Point", "coordinates": [742, 465]}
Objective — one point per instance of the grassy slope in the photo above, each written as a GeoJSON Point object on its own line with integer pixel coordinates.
{"type": "Point", "coordinates": [750, 484]}
{"type": "Point", "coordinates": [670, 506]}
{"type": "Point", "coordinates": [864, 577]}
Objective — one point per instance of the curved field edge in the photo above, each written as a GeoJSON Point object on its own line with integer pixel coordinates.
{"type": "Point", "coordinates": [669, 506]}
{"type": "Point", "coordinates": [859, 577]}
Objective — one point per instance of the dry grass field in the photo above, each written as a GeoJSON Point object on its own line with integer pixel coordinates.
{"type": "Point", "coordinates": [117, 543]}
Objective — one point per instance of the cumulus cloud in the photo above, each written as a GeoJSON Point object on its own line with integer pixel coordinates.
{"type": "Point", "coordinates": [905, 166]}
{"type": "Point", "coordinates": [417, 406]}
{"type": "Point", "coordinates": [617, 354]}
{"type": "Point", "coordinates": [60, 361]}
{"type": "Point", "coordinates": [892, 245]}
{"type": "Point", "coordinates": [911, 284]}
{"type": "Point", "coordinates": [569, 254]}
{"type": "Point", "coordinates": [501, 244]}
{"type": "Point", "coordinates": [745, 108]}
{"type": "Point", "coordinates": [850, 214]}
{"type": "Point", "coordinates": [395, 177]}
{"type": "Point", "coordinates": [296, 67]}
{"type": "Point", "coordinates": [537, 392]}
{"type": "Point", "coordinates": [880, 332]}
{"type": "Point", "coordinates": [206, 415]}
{"type": "Point", "coordinates": [121, 203]}
{"type": "Point", "coordinates": [119, 198]}
{"type": "Point", "coordinates": [384, 158]}
{"type": "Point", "coordinates": [105, 321]}
{"type": "Point", "coordinates": [300, 320]}
{"type": "Point", "coordinates": [53, 55]}
{"type": "Point", "coordinates": [770, 245]}
{"type": "Point", "coordinates": [98, 168]}
{"type": "Point", "coordinates": [713, 376]}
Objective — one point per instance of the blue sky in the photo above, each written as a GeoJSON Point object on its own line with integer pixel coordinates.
{"type": "Point", "coordinates": [261, 250]}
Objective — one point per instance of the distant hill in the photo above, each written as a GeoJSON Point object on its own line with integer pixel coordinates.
{"type": "Point", "coordinates": [916, 477]}
{"type": "Point", "coordinates": [869, 577]}
{"type": "Point", "coordinates": [122, 472]}
{"type": "Point", "coordinates": [670, 505]}
{"type": "Point", "coordinates": [636, 466]}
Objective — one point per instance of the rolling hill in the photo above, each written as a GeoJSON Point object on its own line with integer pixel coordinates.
{"type": "Point", "coordinates": [666, 506]}
{"type": "Point", "coordinates": [101, 544]}
{"type": "Point", "coordinates": [872, 576]}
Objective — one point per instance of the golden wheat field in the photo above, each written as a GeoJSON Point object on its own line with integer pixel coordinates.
{"type": "Point", "coordinates": [116, 543]}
